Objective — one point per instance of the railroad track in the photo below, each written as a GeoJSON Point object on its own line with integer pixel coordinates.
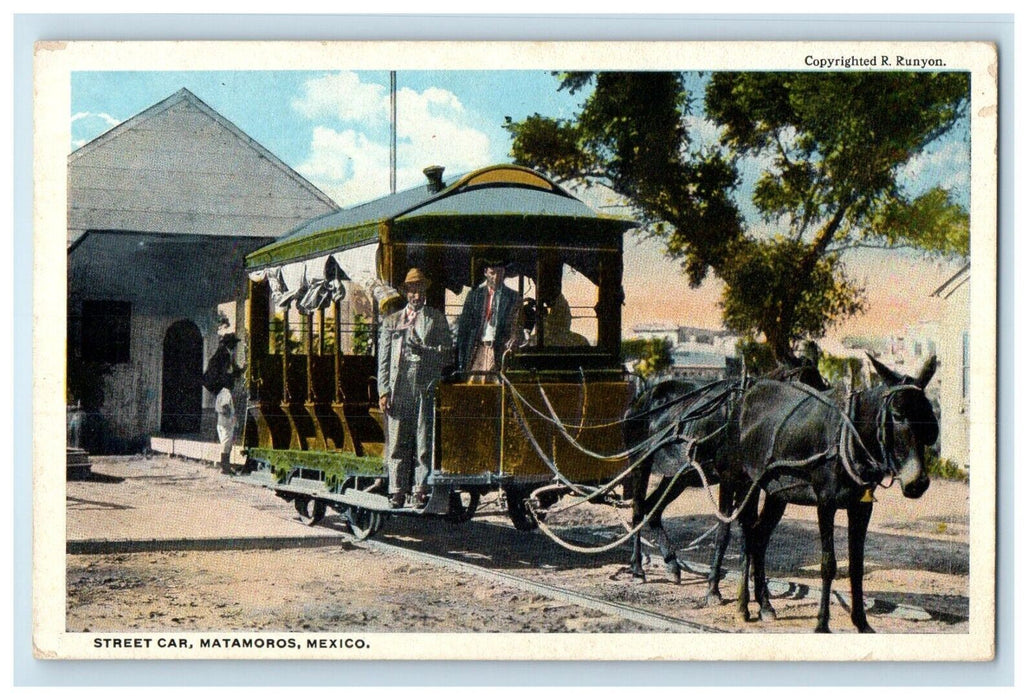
{"type": "Point", "coordinates": [647, 618]}
{"type": "Point", "coordinates": [628, 612]}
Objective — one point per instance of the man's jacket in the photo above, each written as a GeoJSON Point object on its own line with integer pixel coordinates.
{"type": "Point", "coordinates": [472, 322]}
{"type": "Point", "coordinates": [431, 330]}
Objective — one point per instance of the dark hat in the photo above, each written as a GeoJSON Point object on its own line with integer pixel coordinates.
{"type": "Point", "coordinates": [495, 258]}
{"type": "Point", "coordinates": [229, 339]}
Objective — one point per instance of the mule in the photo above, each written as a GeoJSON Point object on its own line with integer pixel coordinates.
{"type": "Point", "coordinates": [800, 447]}
{"type": "Point", "coordinates": [679, 421]}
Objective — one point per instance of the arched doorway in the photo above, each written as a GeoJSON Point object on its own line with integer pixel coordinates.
{"type": "Point", "coordinates": [182, 358]}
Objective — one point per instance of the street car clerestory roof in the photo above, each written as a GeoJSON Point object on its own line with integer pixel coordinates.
{"type": "Point", "coordinates": [499, 191]}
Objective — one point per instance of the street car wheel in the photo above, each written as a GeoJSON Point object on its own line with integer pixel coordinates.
{"type": "Point", "coordinates": [310, 510]}
{"type": "Point", "coordinates": [462, 505]}
{"type": "Point", "coordinates": [519, 511]}
{"type": "Point", "coordinates": [362, 523]}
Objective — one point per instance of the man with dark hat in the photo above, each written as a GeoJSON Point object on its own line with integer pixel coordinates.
{"type": "Point", "coordinates": [489, 323]}
{"type": "Point", "coordinates": [415, 346]}
{"type": "Point", "coordinates": [219, 378]}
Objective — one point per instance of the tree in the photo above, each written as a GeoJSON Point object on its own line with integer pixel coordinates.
{"type": "Point", "coordinates": [631, 136]}
{"type": "Point", "coordinates": [831, 148]}
{"type": "Point", "coordinates": [845, 373]}
{"type": "Point", "coordinates": [758, 357]}
{"type": "Point", "coordinates": [363, 335]}
{"type": "Point", "coordinates": [650, 356]}
{"type": "Point", "coordinates": [834, 145]}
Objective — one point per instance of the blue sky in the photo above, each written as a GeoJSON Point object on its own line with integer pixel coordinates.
{"type": "Point", "coordinates": [333, 128]}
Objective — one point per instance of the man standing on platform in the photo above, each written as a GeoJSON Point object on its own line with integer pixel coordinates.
{"type": "Point", "coordinates": [488, 324]}
{"type": "Point", "coordinates": [415, 345]}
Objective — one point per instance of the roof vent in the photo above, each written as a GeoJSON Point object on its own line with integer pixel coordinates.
{"type": "Point", "coordinates": [434, 175]}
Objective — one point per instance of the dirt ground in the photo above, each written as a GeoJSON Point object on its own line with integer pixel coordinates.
{"type": "Point", "coordinates": [917, 565]}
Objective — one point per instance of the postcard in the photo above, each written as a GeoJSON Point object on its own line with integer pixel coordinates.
{"type": "Point", "coordinates": [527, 351]}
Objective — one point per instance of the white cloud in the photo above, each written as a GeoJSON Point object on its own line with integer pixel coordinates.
{"type": "Point", "coordinates": [347, 165]}
{"type": "Point", "coordinates": [351, 165]}
{"type": "Point", "coordinates": [86, 126]}
{"type": "Point", "coordinates": [343, 96]}
{"type": "Point", "coordinates": [945, 164]}
{"type": "Point", "coordinates": [103, 116]}
{"type": "Point", "coordinates": [435, 129]}
{"type": "Point", "coordinates": [702, 132]}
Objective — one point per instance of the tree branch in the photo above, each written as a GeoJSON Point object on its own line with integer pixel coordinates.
{"type": "Point", "coordinates": [871, 246]}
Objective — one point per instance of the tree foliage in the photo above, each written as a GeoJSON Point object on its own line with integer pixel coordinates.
{"type": "Point", "coordinates": [835, 145]}
{"type": "Point", "coordinates": [830, 150]}
{"type": "Point", "coordinates": [844, 373]}
{"type": "Point", "coordinates": [650, 356]}
{"type": "Point", "coordinates": [631, 135]}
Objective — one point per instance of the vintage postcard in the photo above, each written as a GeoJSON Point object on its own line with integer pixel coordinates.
{"type": "Point", "coordinates": [602, 351]}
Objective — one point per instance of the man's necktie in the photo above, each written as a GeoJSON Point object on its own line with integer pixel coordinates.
{"type": "Point", "coordinates": [488, 304]}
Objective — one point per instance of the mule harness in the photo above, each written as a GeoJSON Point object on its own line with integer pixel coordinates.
{"type": "Point", "coordinates": [849, 437]}
{"type": "Point", "coordinates": [670, 435]}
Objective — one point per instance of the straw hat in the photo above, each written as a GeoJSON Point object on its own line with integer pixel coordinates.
{"type": "Point", "coordinates": [416, 277]}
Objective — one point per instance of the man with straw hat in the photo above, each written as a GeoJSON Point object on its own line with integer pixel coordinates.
{"type": "Point", "coordinates": [415, 345]}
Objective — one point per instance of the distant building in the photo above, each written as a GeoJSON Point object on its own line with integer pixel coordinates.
{"type": "Point", "coordinates": [162, 210]}
{"type": "Point", "coordinates": [696, 352]}
{"type": "Point", "coordinates": [907, 350]}
{"type": "Point", "coordinates": [669, 331]}
{"type": "Point", "coordinates": [954, 366]}
{"type": "Point", "coordinates": [689, 361]}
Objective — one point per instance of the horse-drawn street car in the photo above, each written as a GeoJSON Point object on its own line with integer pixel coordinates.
{"type": "Point", "coordinates": [552, 411]}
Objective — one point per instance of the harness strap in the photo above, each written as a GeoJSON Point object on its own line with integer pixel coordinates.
{"type": "Point", "coordinates": [849, 437]}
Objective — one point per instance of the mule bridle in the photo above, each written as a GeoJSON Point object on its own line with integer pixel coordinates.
{"type": "Point", "coordinates": [888, 465]}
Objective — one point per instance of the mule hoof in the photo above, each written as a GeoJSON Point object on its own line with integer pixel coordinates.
{"type": "Point", "coordinates": [865, 629]}
{"type": "Point", "coordinates": [637, 576]}
{"type": "Point", "coordinates": [822, 628]}
{"type": "Point", "coordinates": [766, 614]}
{"type": "Point", "coordinates": [711, 600]}
{"type": "Point", "coordinates": [674, 576]}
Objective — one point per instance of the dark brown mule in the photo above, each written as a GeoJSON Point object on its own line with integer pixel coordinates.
{"type": "Point", "coordinates": [683, 428]}
{"type": "Point", "coordinates": [800, 447]}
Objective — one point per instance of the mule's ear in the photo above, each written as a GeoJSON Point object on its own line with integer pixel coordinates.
{"type": "Point", "coordinates": [927, 371]}
{"type": "Point", "coordinates": [890, 376]}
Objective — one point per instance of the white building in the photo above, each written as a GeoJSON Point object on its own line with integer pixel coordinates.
{"type": "Point", "coordinates": [696, 352]}
{"type": "Point", "coordinates": [692, 361]}
{"type": "Point", "coordinates": [663, 330]}
{"type": "Point", "coordinates": [162, 210]}
{"type": "Point", "coordinates": [906, 351]}
{"type": "Point", "coordinates": [954, 366]}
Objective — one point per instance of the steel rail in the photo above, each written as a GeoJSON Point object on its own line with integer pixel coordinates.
{"type": "Point", "coordinates": [779, 587]}
{"type": "Point", "coordinates": [647, 618]}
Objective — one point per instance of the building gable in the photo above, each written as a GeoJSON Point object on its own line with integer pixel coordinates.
{"type": "Point", "coordinates": [180, 167]}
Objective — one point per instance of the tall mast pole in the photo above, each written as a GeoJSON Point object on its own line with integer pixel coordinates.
{"type": "Point", "coordinates": [392, 155]}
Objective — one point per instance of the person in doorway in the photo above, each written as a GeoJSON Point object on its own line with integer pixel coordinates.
{"type": "Point", "coordinates": [414, 348]}
{"type": "Point", "coordinates": [220, 377]}
{"type": "Point", "coordinates": [489, 323]}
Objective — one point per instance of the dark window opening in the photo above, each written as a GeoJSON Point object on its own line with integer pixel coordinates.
{"type": "Point", "coordinates": [105, 331]}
